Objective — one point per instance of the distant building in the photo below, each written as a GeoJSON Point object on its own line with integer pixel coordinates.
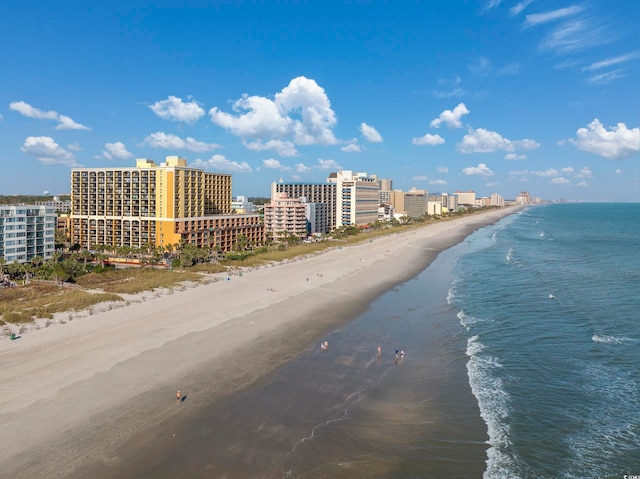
{"type": "Point", "coordinates": [412, 203]}
{"type": "Point", "coordinates": [523, 198]}
{"type": "Point", "coordinates": [58, 205]}
{"type": "Point", "coordinates": [466, 198]}
{"type": "Point", "coordinates": [356, 198]}
{"type": "Point", "coordinates": [162, 205]}
{"type": "Point", "coordinates": [285, 216]}
{"type": "Point", "coordinates": [496, 200]}
{"type": "Point", "coordinates": [322, 193]}
{"type": "Point", "coordinates": [242, 206]}
{"type": "Point", "coordinates": [27, 231]}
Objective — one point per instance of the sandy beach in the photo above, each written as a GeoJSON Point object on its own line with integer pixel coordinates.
{"type": "Point", "coordinates": [74, 395]}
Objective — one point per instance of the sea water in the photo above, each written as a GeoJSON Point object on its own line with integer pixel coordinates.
{"type": "Point", "coordinates": [550, 300]}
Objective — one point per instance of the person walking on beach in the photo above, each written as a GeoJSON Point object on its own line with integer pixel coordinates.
{"type": "Point", "coordinates": [379, 352]}
{"type": "Point", "coordinates": [178, 397]}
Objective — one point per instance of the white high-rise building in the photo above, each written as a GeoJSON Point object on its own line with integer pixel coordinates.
{"type": "Point", "coordinates": [27, 231]}
{"type": "Point", "coordinates": [357, 198]}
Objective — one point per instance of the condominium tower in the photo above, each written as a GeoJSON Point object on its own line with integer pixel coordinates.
{"type": "Point", "coordinates": [27, 231]}
{"type": "Point", "coordinates": [161, 205]}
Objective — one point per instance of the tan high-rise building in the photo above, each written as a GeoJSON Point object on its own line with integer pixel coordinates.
{"type": "Point", "coordinates": [161, 205]}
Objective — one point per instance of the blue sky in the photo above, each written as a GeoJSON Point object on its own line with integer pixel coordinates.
{"type": "Point", "coordinates": [490, 95]}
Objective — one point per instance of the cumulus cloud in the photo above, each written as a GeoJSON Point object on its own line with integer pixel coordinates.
{"type": "Point", "coordinates": [352, 148]}
{"type": "Point", "coordinates": [485, 141]}
{"type": "Point", "coordinates": [300, 113]}
{"type": "Point", "coordinates": [169, 141]}
{"type": "Point", "coordinates": [283, 148]}
{"type": "Point", "coordinates": [584, 172]}
{"type": "Point", "coordinates": [222, 164]}
{"type": "Point", "coordinates": [370, 133]}
{"type": "Point", "coordinates": [65, 123]}
{"type": "Point", "coordinates": [428, 139]}
{"type": "Point", "coordinates": [328, 165]}
{"type": "Point", "coordinates": [174, 109]}
{"type": "Point", "coordinates": [302, 168]}
{"type": "Point", "coordinates": [451, 118]}
{"type": "Point", "coordinates": [272, 164]}
{"type": "Point", "coordinates": [480, 170]}
{"type": "Point", "coordinates": [514, 156]}
{"type": "Point", "coordinates": [420, 178]}
{"type": "Point", "coordinates": [437, 182]}
{"type": "Point", "coordinates": [116, 151]}
{"type": "Point", "coordinates": [560, 181]}
{"type": "Point", "coordinates": [47, 151]}
{"type": "Point", "coordinates": [613, 143]}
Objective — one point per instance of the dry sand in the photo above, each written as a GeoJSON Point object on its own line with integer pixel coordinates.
{"type": "Point", "coordinates": [72, 395]}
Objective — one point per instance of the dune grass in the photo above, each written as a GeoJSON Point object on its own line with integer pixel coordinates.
{"type": "Point", "coordinates": [38, 300]}
{"type": "Point", "coordinates": [136, 280]}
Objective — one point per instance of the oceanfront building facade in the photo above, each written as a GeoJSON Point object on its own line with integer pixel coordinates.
{"type": "Point", "coordinates": [27, 231]}
{"type": "Point", "coordinates": [161, 205]}
{"type": "Point", "coordinates": [357, 198]}
{"type": "Point", "coordinates": [324, 193]}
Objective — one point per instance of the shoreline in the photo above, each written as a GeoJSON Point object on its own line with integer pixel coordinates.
{"type": "Point", "coordinates": [72, 395]}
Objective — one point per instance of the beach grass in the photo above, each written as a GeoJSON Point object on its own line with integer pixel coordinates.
{"type": "Point", "coordinates": [42, 300]}
{"type": "Point", "coordinates": [136, 280]}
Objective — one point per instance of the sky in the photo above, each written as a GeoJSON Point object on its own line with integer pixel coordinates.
{"type": "Point", "coordinates": [494, 96]}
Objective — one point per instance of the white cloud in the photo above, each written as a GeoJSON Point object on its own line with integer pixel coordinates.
{"type": "Point", "coordinates": [272, 164]}
{"type": "Point", "coordinates": [65, 123]}
{"type": "Point", "coordinates": [550, 16]}
{"type": "Point", "coordinates": [611, 61]}
{"type": "Point", "coordinates": [582, 184]}
{"type": "Point", "coordinates": [283, 148]}
{"type": "Point", "coordinates": [74, 147]}
{"type": "Point", "coordinates": [519, 7]}
{"type": "Point", "coordinates": [451, 89]}
{"type": "Point", "coordinates": [584, 172]}
{"type": "Point", "coordinates": [302, 168]}
{"type": "Point", "coordinates": [451, 117]}
{"type": "Point", "coordinates": [572, 36]}
{"type": "Point", "coordinates": [352, 148]}
{"type": "Point", "coordinates": [420, 178]}
{"type": "Point", "coordinates": [328, 165]}
{"type": "Point", "coordinates": [618, 171]}
{"type": "Point", "coordinates": [614, 143]}
{"type": "Point", "coordinates": [442, 169]}
{"type": "Point", "coordinates": [169, 141]}
{"type": "Point", "coordinates": [514, 156]}
{"type": "Point", "coordinates": [116, 151]}
{"type": "Point", "coordinates": [606, 77]}
{"type": "Point", "coordinates": [370, 133]}
{"type": "Point", "coordinates": [546, 173]}
{"type": "Point", "coordinates": [428, 139]}
{"type": "Point", "coordinates": [27, 110]}
{"type": "Point", "coordinates": [560, 181]}
{"type": "Point", "coordinates": [480, 66]}
{"type": "Point", "coordinates": [567, 170]}
{"type": "Point", "coordinates": [222, 164]}
{"type": "Point", "coordinates": [485, 141]}
{"type": "Point", "coordinates": [47, 151]}
{"type": "Point", "coordinates": [300, 113]}
{"type": "Point", "coordinates": [480, 170]}
{"type": "Point", "coordinates": [174, 109]}
{"type": "Point", "coordinates": [437, 182]}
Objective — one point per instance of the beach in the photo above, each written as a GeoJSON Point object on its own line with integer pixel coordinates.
{"type": "Point", "coordinates": [97, 395]}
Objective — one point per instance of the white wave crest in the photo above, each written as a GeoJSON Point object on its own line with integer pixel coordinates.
{"type": "Point", "coordinates": [603, 338]}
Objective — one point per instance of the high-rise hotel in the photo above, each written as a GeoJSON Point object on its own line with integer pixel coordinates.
{"type": "Point", "coordinates": [162, 205]}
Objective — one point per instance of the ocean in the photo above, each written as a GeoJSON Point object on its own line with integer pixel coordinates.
{"type": "Point", "coordinates": [550, 300]}
{"type": "Point", "coordinates": [522, 350]}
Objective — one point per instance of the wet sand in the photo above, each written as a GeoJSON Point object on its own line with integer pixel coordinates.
{"type": "Point", "coordinates": [97, 396]}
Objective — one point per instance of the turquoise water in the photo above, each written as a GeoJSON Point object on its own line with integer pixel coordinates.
{"type": "Point", "coordinates": [550, 300]}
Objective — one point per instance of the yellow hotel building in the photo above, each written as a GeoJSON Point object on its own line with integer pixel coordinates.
{"type": "Point", "coordinates": [164, 204]}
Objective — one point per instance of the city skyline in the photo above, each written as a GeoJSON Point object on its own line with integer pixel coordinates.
{"type": "Point", "coordinates": [490, 96]}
